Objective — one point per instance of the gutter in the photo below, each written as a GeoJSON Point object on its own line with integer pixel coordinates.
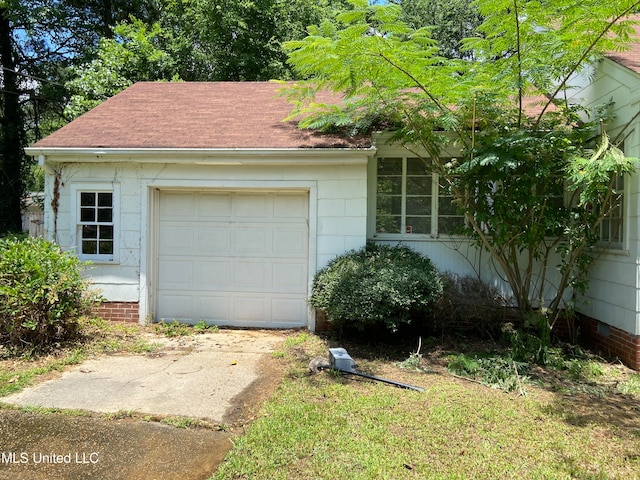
{"type": "Point", "coordinates": [203, 156]}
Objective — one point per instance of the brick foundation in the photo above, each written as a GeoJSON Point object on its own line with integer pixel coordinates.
{"type": "Point", "coordinates": [118, 311]}
{"type": "Point", "coordinates": [611, 341]}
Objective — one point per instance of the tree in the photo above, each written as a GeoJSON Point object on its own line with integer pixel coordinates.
{"type": "Point", "coordinates": [451, 21]}
{"type": "Point", "coordinates": [514, 165]}
{"type": "Point", "coordinates": [197, 40]}
{"type": "Point", "coordinates": [39, 40]}
{"type": "Point", "coordinates": [12, 156]}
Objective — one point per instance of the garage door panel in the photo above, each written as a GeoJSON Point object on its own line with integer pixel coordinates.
{"type": "Point", "coordinates": [290, 242]}
{"type": "Point", "coordinates": [175, 274]}
{"type": "Point", "coordinates": [214, 308]}
{"type": "Point", "coordinates": [287, 310]}
{"type": "Point", "coordinates": [290, 206]}
{"type": "Point", "coordinates": [251, 275]}
{"type": "Point", "coordinates": [251, 240]}
{"type": "Point", "coordinates": [215, 206]}
{"type": "Point", "coordinates": [214, 239]}
{"type": "Point", "coordinates": [175, 307]}
{"type": "Point", "coordinates": [175, 238]}
{"type": "Point", "coordinates": [177, 205]}
{"type": "Point", "coordinates": [250, 308]}
{"type": "Point", "coordinates": [233, 258]}
{"type": "Point", "coordinates": [253, 205]}
{"type": "Point", "coordinates": [290, 277]}
{"type": "Point", "coordinates": [213, 275]}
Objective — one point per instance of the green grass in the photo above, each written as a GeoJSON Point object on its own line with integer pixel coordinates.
{"type": "Point", "coordinates": [326, 427]}
{"type": "Point", "coordinates": [579, 418]}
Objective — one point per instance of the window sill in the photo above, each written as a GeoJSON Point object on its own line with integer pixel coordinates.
{"type": "Point", "coordinates": [613, 251]}
{"type": "Point", "coordinates": [415, 237]}
{"type": "Point", "coordinates": [98, 261]}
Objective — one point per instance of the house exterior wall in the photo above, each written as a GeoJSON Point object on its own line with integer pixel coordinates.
{"type": "Point", "coordinates": [613, 297]}
{"type": "Point", "coordinates": [451, 254]}
{"type": "Point", "coordinates": [337, 220]}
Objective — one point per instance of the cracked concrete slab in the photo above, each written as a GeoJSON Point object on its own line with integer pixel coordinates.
{"type": "Point", "coordinates": [200, 376]}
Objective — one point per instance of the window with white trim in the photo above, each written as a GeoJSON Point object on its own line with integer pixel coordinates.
{"type": "Point", "coordinates": [96, 228]}
{"type": "Point", "coordinates": [411, 200]}
{"type": "Point", "coordinates": [611, 228]}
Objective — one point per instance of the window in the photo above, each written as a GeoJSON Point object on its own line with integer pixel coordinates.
{"type": "Point", "coordinates": [96, 228]}
{"type": "Point", "coordinates": [611, 233]}
{"type": "Point", "coordinates": [411, 200]}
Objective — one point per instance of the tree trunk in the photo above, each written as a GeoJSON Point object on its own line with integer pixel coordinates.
{"type": "Point", "coordinates": [12, 158]}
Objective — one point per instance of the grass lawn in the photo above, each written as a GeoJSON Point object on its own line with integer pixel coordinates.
{"type": "Point", "coordinates": [568, 421]}
{"type": "Point", "coordinates": [575, 419]}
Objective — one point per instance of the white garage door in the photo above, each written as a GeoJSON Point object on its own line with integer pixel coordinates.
{"type": "Point", "coordinates": [233, 258]}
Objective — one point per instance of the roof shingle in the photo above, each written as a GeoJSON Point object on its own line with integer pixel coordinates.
{"type": "Point", "coordinates": [193, 115]}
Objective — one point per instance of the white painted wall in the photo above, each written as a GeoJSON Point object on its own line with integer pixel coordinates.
{"type": "Point", "coordinates": [337, 196]}
{"type": "Point", "coordinates": [614, 290]}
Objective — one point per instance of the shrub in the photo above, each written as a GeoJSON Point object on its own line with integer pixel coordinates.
{"type": "Point", "coordinates": [468, 305]}
{"type": "Point", "coordinates": [377, 286]}
{"type": "Point", "coordinates": [42, 293]}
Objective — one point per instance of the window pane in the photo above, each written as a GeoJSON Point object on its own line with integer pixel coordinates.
{"type": "Point", "coordinates": [106, 232]}
{"type": "Point", "coordinates": [105, 215]}
{"type": "Point", "coordinates": [89, 247]}
{"type": "Point", "coordinates": [106, 247]}
{"type": "Point", "coordinates": [446, 206]}
{"type": "Point", "coordinates": [418, 166]}
{"type": "Point", "coordinates": [104, 200]}
{"type": "Point", "coordinates": [89, 231]}
{"type": "Point", "coordinates": [388, 224]}
{"type": "Point", "coordinates": [87, 199]}
{"type": "Point", "coordinates": [387, 204]}
{"type": "Point", "coordinates": [418, 205]}
{"type": "Point", "coordinates": [420, 225]}
{"type": "Point", "coordinates": [419, 185]}
{"type": "Point", "coordinates": [450, 225]}
{"type": "Point", "coordinates": [390, 185]}
{"type": "Point", "coordinates": [389, 166]}
{"type": "Point", "coordinates": [88, 214]}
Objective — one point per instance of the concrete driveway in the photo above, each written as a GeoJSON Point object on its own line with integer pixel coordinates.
{"type": "Point", "coordinates": [220, 377]}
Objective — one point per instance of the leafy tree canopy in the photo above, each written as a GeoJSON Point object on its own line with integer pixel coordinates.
{"type": "Point", "coordinates": [503, 102]}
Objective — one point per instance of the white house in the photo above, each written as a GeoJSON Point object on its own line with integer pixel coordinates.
{"type": "Point", "coordinates": [194, 201]}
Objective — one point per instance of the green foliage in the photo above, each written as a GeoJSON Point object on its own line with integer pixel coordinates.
{"type": "Point", "coordinates": [501, 372]}
{"type": "Point", "coordinates": [527, 145]}
{"type": "Point", "coordinates": [377, 285]}
{"type": "Point", "coordinates": [42, 294]}
{"type": "Point", "coordinates": [450, 21]}
{"type": "Point", "coordinates": [174, 329]}
{"type": "Point", "coordinates": [133, 55]}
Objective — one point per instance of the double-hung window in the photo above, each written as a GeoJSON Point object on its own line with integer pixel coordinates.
{"type": "Point", "coordinates": [96, 224]}
{"type": "Point", "coordinates": [611, 228]}
{"type": "Point", "coordinates": [411, 200]}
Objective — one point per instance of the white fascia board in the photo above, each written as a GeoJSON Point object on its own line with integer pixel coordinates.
{"type": "Point", "coordinates": [205, 156]}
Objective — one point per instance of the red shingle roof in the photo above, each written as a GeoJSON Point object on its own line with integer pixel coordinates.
{"type": "Point", "coordinates": [631, 57]}
{"type": "Point", "coordinates": [193, 115]}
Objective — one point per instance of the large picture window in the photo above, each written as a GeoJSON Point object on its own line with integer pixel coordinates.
{"type": "Point", "coordinates": [410, 200]}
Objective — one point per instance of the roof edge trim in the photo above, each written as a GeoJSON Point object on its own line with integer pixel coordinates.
{"type": "Point", "coordinates": [213, 156]}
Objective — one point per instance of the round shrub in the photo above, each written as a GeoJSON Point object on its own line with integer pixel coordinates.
{"type": "Point", "coordinates": [42, 294]}
{"type": "Point", "coordinates": [378, 285]}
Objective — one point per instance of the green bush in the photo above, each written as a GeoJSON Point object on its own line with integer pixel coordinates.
{"type": "Point", "coordinates": [377, 286]}
{"type": "Point", "coordinates": [42, 293]}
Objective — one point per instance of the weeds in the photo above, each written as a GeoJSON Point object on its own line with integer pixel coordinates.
{"type": "Point", "coordinates": [631, 386]}
{"type": "Point", "coordinates": [178, 329]}
{"type": "Point", "coordinates": [501, 372]}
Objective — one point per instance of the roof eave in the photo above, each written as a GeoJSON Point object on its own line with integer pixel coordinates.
{"type": "Point", "coordinates": [203, 156]}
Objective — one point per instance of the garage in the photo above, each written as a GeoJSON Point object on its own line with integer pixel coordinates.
{"type": "Point", "coordinates": [237, 258]}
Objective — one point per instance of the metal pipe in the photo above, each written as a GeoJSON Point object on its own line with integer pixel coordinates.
{"type": "Point", "coordinates": [371, 377]}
